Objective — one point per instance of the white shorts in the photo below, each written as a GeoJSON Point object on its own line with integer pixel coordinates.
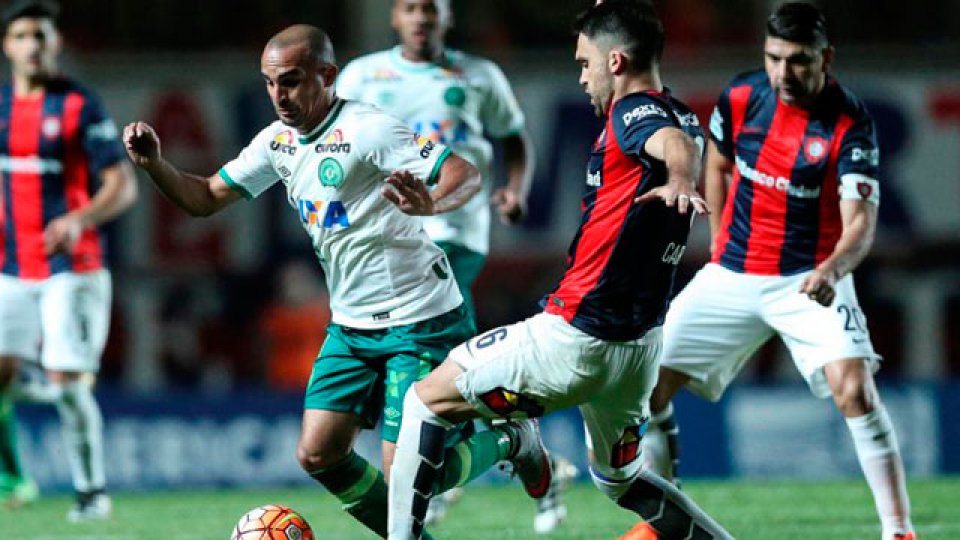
{"type": "Point", "coordinates": [543, 364]}
{"type": "Point", "coordinates": [721, 317]}
{"type": "Point", "coordinates": [63, 319]}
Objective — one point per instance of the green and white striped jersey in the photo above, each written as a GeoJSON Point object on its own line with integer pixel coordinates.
{"type": "Point", "coordinates": [381, 267]}
{"type": "Point", "coordinates": [452, 102]}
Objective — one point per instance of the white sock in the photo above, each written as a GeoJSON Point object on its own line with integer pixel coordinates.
{"type": "Point", "coordinates": [416, 467]}
{"type": "Point", "coordinates": [655, 446]}
{"type": "Point", "coordinates": [879, 454]}
{"type": "Point", "coordinates": [36, 392]}
{"type": "Point", "coordinates": [82, 428]}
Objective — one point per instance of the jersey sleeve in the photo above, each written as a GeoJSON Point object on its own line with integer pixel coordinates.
{"type": "Point", "coordinates": [721, 129]}
{"type": "Point", "coordinates": [858, 161]}
{"type": "Point", "coordinates": [392, 146]}
{"type": "Point", "coordinates": [501, 114]}
{"type": "Point", "coordinates": [251, 172]}
{"type": "Point", "coordinates": [349, 81]}
{"type": "Point", "coordinates": [635, 120]}
{"type": "Point", "coordinates": [101, 139]}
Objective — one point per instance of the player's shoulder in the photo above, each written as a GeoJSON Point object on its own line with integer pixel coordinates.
{"type": "Point", "coordinates": [472, 65]}
{"type": "Point", "coordinates": [369, 61]}
{"type": "Point", "coordinates": [66, 85]}
{"type": "Point", "coordinates": [639, 106]}
{"type": "Point", "coordinates": [755, 79]}
{"type": "Point", "coordinates": [844, 101]}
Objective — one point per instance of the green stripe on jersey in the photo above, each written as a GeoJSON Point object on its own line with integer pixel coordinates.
{"type": "Point", "coordinates": [234, 185]}
{"type": "Point", "coordinates": [325, 125]}
{"type": "Point", "coordinates": [432, 179]}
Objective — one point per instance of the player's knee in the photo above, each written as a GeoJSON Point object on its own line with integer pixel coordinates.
{"type": "Point", "coordinates": [668, 383]}
{"type": "Point", "coordinates": [853, 397]}
{"type": "Point", "coordinates": [315, 455]}
{"type": "Point", "coordinates": [613, 482]}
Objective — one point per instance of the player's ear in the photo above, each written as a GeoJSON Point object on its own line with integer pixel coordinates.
{"type": "Point", "coordinates": [617, 61]}
{"type": "Point", "coordinates": [329, 73]}
{"type": "Point", "coordinates": [829, 53]}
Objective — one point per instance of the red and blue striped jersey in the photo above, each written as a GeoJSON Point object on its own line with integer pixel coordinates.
{"type": "Point", "coordinates": [782, 212]}
{"type": "Point", "coordinates": [52, 149]}
{"type": "Point", "coordinates": [621, 264]}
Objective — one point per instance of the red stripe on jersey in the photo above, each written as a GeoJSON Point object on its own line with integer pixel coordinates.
{"type": "Point", "coordinates": [768, 213]}
{"type": "Point", "coordinates": [76, 178]}
{"type": "Point", "coordinates": [739, 97]}
{"type": "Point", "coordinates": [598, 234]}
{"type": "Point", "coordinates": [26, 188]}
{"type": "Point", "coordinates": [831, 224]}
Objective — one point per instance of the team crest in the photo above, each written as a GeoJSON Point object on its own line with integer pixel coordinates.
{"type": "Point", "coordinates": [331, 173]}
{"type": "Point", "coordinates": [626, 450]}
{"type": "Point", "coordinates": [815, 149]}
{"type": "Point", "coordinates": [864, 189]}
{"type": "Point", "coordinates": [51, 127]}
{"type": "Point", "coordinates": [506, 403]}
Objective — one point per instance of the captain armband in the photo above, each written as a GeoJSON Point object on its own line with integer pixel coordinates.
{"type": "Point", "coordinates": [859, 187]}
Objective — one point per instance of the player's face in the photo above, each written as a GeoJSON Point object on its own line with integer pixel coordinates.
{"type": "Point", "coordinates": [32, 45]}
{"type": "Point", "coordinates": [595, 75]}
{"type": "Point", "coordinates": [796, 71]}
{"type": "Point", "coordinates": [298, 85]}
{"type": "Point", "coordinates": [421, 25]}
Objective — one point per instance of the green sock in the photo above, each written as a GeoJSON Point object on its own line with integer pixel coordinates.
{"type": "Point", "coordinates": [471, 458]}
{"type": "Point", "coordinates": [10, 468]}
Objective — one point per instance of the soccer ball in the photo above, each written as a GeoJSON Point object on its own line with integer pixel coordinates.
{"type": "Point", "coordinates": [272, 522]}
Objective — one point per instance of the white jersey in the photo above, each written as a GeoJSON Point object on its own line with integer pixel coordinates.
{"type": "Point", "coordinates": [381, 267]}
{"type": "Point", "coordinates": [451, 102]}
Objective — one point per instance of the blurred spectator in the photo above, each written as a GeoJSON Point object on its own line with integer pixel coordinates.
{"type": "Point", "coordinates": [294, 325]}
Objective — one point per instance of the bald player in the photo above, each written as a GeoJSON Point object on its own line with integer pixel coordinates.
{"type": "Point", "coordinates": [359, 180]}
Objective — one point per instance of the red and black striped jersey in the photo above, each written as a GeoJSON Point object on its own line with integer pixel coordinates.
{"type": "Point", "coordinates": [622, 261]}
{"type": "Point", "coordinates": [782, 212]}
{"type": "Point", "coordinates": [52, 149]}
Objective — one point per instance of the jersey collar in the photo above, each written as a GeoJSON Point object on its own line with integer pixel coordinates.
{"type": "Point", "coordinates": [316, 132]}
{"type": "Point", "coordinates": [396, 55]}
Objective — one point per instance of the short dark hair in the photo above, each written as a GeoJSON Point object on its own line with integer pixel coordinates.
{"type": "Point", "coordinates": [799, 22]}
{"type": "Point", "coordinates": [41, 9]}
{"type": "Point", "coordinates": [632, 23]}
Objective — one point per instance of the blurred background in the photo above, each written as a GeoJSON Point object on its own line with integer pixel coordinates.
{"type": "Point", "coordinates": [216, 321]}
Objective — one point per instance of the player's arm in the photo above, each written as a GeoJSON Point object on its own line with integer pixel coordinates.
{"type": "Point", "coordinates": [716, 182]}
{"type": "Point", "coordinates": [511, 199]}
{"type": "Point", "coordinates": [118, 190]}
{"type": "Point", "coordinates": [682, 158]}
{"type": "Point", "coordinates": [859, 219]}
{"type": "Point", "coordinates": [197, 195]}
{"type": "Point", "coordinates": [457, 182]}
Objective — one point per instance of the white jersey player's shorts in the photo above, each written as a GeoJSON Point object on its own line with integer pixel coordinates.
{"type": "Point", "coordinates": [722, 317]}
{"type": "Point", "coordinates": [69, 312]}
{"type": "Point", "coordinates": [543, 364]}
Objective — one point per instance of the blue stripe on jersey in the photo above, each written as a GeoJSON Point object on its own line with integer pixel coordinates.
{"type": "Point", "coordinates": [53, 192]}
{"type": "Point", "coordinates": [735, 253]}
{"type": "Point", "coordinates": [10, 266]}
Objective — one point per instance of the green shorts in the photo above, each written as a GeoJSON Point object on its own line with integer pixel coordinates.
{"type": "Point", "coordinates": [365, 372]}
{"type": "Point", "coordinates": [466, 265]}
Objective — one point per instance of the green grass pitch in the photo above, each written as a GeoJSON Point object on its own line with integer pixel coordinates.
{"type": "Point", "coordinates": [781, 510]}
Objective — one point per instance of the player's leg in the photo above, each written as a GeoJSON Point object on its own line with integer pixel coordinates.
{"type": "Point", "coordinates": [832, 349]}
{"type": "Point", "coordinates": [496, 374]}
{"type": "Point", "coordinates": [616, 420]}
{"type": "Point", "coordinates": [711, 329]}
{"type": "Point", "coordinates": [75, 312]}
{"type": "Point", "coordinates": [19, 337]}
{"type": "Point", "coordinates": [875, 440]}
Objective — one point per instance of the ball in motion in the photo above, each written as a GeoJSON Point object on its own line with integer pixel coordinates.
{"type": "Point", "coordinates": [272, 522]}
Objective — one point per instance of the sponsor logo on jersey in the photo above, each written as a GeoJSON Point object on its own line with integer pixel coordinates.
{"type": "Point", "coordinates": [283, 142]}
{"type": "Point", "coordinates": [594, 179]}
{"type": "Point", "coordinates": [333, 144]}
{"type": "Point", "coordinates": [642, 111]}
{"type": "Point", "coordinates": [383, 74]}
{"type": "Point", "coordinates": [447, 131]}
{"type": "Point", "coordinates": [687, 119]}
{"type": "Point", "coordinates": [50, 127]}
{"type": "Point", "coordinates": [426, 145]}
{"type": "Point", "coordinates": [716, 124]}
{"type": "Point", "coordinates": [330, 172]}
{"type": "Point", "coordinates": [284, 172]}
{"type": "Point", "coordinates": [870, 155]}
{"type": "Point", "coordinates": [329, 215]}
{"type": "Point", "coordinates": [777, 182]}
{"type": "Point", "coordinates": [815, 149]}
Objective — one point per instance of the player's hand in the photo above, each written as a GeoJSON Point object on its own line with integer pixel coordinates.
{"type": "Point", "coordinates": [142, 143]}
{"type": "Point", "coordinates": [510, 205]}
{"type": "Point", "coordinates": [819, 285]}
{"type": "Point", "coordinates": [683, 196]}
{"type": "Point", "coordinates": [62, 234]}
{"type": "Point", "coordinates": [409, 194]}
